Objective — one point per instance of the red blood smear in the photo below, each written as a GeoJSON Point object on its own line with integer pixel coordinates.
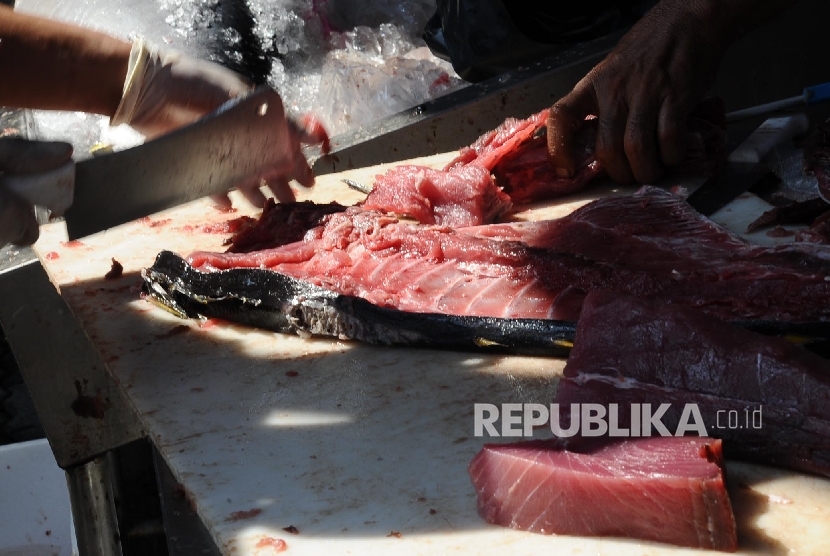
{"type": "Point", "coordinates": [278, 545]}
{"type": "Point", "coordinates": [229, 227]}
{"type": "Point", "coordinates": [315, 132]}
{"type": "Point", "coordinates": [51, 256]}
{"type": "Point", "coordinates": [779, 231]}
{"type": "Point", "coordinates": [443, 79]}
{"type": "Point", "coordinates": [210, 323]}
{"type": "Point", "coordinates": [74, 244]}
{"type": "Point", "coordinates": [244, 514]}
{"type": "Point", "coordinates": [157, 223]}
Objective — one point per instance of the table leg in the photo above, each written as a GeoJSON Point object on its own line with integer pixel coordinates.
{"type": "Point", "coordinates": [93, 508]}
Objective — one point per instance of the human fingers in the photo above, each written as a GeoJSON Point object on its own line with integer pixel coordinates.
{"type": "Point", "coordinates": [281, 190]}
{"type": "Point", "coordinates": [640, 141]}
{"type": "Point", "coordinates": [20, 156]}
{"type": "Point", "coordinates": [221, 201]}
{"type": "Point", "coordinates": [566, 119]}
{"type": "Point", "coordinates": [253, 194]}
{"type": "Point", "coordinates": [302, 171]}
{"type": "Point", "coordinates": [612, 120]}
{"type": "Point", "coordinates": [671, 132]}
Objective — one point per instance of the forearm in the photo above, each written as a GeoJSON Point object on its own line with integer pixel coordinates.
{"type": "Point", "coordinates": [50, 65]}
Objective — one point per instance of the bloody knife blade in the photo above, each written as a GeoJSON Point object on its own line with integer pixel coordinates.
{"type": "Point", "coordinates": [744, 168]}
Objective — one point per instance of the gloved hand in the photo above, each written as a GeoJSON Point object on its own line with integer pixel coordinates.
{"type": "Point", "coordinates": [166, 89]}
{"type": "Point", "coordinates": [20, 158]}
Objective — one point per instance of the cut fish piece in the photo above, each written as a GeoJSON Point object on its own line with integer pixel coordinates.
{"type": "Point", "coordinates": [766, 397]}
{"type": "Point", "coordinates": [650, 244]}
{"type": "Point", "coordinates": [466, 196]}
{"type": "Point", "coordinates": [664, 489]}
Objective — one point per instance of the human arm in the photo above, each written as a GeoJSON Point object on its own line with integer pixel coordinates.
{"type": "Point", "coordinates": [643, 92]}
{"type": "Point", "coordinates": [51, 65]}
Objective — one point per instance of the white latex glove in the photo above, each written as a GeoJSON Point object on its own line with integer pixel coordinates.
{"type": "Point", "coordinates": [39, 164]}
{"type": "Point", "coordinates": [166, 89]}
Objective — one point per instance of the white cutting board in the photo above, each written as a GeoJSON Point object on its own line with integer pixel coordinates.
{"type": "Point", "coordinates": [364, 441]}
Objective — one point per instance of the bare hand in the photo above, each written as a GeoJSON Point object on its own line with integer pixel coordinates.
{"type": "Point", "coordinates": [642, 94]}
{"type": "Point", "coordinates": [308, 131]}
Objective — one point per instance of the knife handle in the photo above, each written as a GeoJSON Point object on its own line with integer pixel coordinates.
{"type": "Point", "coordinates": [53, 190]}
{"type": "Point", "coordinates": [817, 93]}
{"type": "Point", "coordinates": [769, 135]}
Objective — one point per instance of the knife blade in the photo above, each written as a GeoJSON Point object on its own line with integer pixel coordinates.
{"type": "Point", "coordinates": [744, 168]}
{"type": "Point", "coordinates": [230, 146]}
{"type": "Point", "coordinates": [726, 185]}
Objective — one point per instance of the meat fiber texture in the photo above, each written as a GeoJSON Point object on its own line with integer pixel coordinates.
{"type": "Point", "coordinates": [629, 351]}
{"type": "Point", "coordinates": [464, 197]}
{"type": "Point", "coordinates": [650, 244]}
{"type": "Point", "coordinates": [668, 490]}
{"type": "Point", "coordinates": [465, 194]}
{"type": "Point", "coordinates": [517, 153]}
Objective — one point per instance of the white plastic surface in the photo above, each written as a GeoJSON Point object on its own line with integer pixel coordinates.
{"type": "Point", "coordinates": [774, 131]}
{"type": "Point", "coordinates": [363, 449]}
{"type": "Point", "coordinates": [35, 516]}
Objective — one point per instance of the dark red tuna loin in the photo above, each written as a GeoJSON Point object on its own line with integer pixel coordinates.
{"type": "Point", "coordinates": [631, 351]}
{"type": "Point", "coordinates": [664, 489]}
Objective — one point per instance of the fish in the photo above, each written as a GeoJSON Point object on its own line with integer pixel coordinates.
{"type": "Point", "coordinates": [510, 166]}
{"type": "Point", "coordinates": [650, 244]}
{"type": "Point", "coordinates": [663, 489]}
{"type": "Point", "coordinates": [273, 301]}
{"type": "Point", "coordinates": [766, 397]}
{"type": "Point", "coordinates": [516, 153]}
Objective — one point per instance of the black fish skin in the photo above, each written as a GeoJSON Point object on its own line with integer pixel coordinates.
{"type": "Point", "coordinates": [273, 301]}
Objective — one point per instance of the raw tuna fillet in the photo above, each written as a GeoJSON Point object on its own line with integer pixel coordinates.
{"type": "Point", "coordinates": [516, 153]}
{"type": "Point", "coordinates": [667, 490]}
{"type": "Point", "coordinates": [649, 245]}
{"type": "Point", "coordinates": [630, 350]}
{"type": "Point", "coordinates": [464, 197]}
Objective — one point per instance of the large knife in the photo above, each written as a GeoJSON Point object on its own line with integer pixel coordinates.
{"type": "Point", "coordinates": [744, 167]}
{"type": "Point", "coordinates": [233, 145]}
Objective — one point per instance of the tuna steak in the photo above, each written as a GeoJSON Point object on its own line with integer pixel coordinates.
{"type": "Point", "coordinates": [667, 490]}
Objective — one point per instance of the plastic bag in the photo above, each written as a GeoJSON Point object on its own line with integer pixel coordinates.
{"type": "Point", "coordinates": [484, 38]}
{"type": "Point", "coordinates": [377, 73]}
